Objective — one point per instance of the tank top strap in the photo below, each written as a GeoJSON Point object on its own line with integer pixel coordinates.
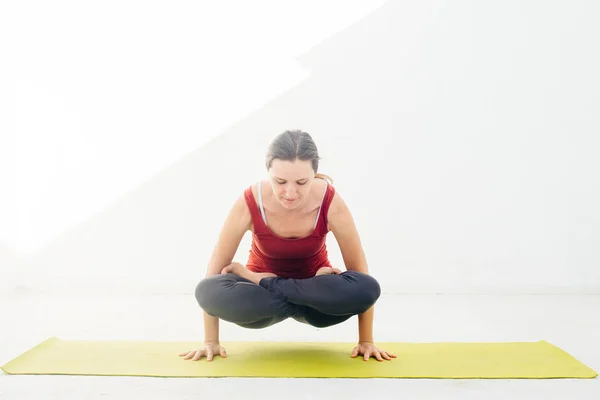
{"type": "Point", "coordinates": [322, 222]}
{"type": "Point", "coordinates": [260, 202]}
{"type": "Point", "coordinates": [321, 205]}
{"type": "Point", "coordinates": [255, 212]}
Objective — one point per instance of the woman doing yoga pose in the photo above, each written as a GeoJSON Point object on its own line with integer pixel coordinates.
{"type": "Point", "coordinates": [288, 273]}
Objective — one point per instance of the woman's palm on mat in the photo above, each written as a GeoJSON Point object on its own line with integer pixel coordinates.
{"type": "Point", "coordinates": [368, 350]}
{"type": "Point", "coordinates": [209, 351]}
{"type": "Point", "coordinates": [365, 349]}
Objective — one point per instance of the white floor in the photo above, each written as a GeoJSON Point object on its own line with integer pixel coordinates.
{"type": "Point", "coordinates": [571, 322]}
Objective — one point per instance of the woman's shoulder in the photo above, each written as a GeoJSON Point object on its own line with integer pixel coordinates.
{"type": "Point", "coordinates": [337, 206]}
{"type": "Point", "coordinates": [253, 188]}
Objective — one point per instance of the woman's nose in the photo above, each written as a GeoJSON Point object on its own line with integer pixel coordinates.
{"type": "Point", "coordinates": [290, 191]}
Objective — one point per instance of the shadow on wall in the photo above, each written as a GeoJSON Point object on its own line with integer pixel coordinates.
{"type": "Point", "coordinates": [163, 232]}
{"type": "Point", "coordinates": [439, 129]}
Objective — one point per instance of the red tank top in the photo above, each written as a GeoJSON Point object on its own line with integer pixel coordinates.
{"type": "Point", "coordinates": [288, 258]}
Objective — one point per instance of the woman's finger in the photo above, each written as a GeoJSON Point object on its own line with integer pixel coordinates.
{"type": "Point", "coordinates": [209, 354]}
{"type": "Point", "coordinates": [385, 355]}
{"type": "Point", "coordinates": [367, 355]}
{"type": "Point", "coordinates": [223, 353]}
{"type": "Point", "coordinates": [198, 355]}
{"type": "Point", "coordinates": [377, 355]}
{"type": "Point", "coordinates": [354, 352]}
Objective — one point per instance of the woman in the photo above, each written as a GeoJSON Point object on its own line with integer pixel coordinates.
{"type": "Point", "coordinates": [288, 273]}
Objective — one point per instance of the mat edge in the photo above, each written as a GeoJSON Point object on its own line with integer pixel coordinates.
{"type": "Point", "coordinates": [566, 353]}
{"type": "Point", "coordinates": [314, 377]}
{"type": "Point", "coordinates": [6, 366]}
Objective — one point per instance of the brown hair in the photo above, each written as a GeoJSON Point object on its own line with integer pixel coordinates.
{"type": "Point", "coordinates": [295, 145]}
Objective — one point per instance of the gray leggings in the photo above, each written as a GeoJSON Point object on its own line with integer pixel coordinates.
{"type": "Point", "coordinates": [319, 301]}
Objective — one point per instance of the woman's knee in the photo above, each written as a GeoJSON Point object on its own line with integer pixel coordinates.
{"type": "Point", "coordinates": [208, 290]}
{"type": "Point", "coordinates": [240, 301]}
{"type": "Point", "coordinates": [367, 288]}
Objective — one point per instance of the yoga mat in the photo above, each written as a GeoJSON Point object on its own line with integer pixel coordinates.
{"type": "Point", "coordinates": [300, 360]}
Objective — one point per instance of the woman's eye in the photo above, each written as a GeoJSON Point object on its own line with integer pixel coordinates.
{"type": "Point", "coordinates": [283, 183]}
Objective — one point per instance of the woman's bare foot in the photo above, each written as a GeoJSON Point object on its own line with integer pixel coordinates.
{"type": "Point", "coordinates": [328, 271]}
{"type": "Point", "coordinates": [241, 271]}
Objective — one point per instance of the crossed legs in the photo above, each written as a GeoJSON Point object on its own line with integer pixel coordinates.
{"type": "Point", "coordinates": [319, 301]}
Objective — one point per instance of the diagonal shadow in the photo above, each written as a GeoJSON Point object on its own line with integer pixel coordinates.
{"type": "Point", "coordinates": [423, 102]}
{"type": "Point", "coordinates": [170, 222]}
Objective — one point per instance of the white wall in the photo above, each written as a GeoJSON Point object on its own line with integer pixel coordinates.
{"type": "Point", "coordinates": [463, 136]}
{"type": "Point", "coordinates": [97, 99]}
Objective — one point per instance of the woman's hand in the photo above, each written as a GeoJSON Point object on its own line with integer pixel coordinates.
{"type": "Point", "coordinates": [209, 351]}
{"type": "Point", "coordinates": [369, 350]}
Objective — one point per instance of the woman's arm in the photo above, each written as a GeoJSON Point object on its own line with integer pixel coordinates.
{"type": "Point", "coordinates": [236, 224]}
{"type": "Point", "coordinates": [341, 223]}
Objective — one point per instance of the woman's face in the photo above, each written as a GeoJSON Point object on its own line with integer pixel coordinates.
{"type": "Point", "coordinates": [291, 181]}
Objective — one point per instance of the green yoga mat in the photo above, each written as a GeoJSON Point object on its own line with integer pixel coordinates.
{"type": "Point", "coordinates": [300, 360]}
